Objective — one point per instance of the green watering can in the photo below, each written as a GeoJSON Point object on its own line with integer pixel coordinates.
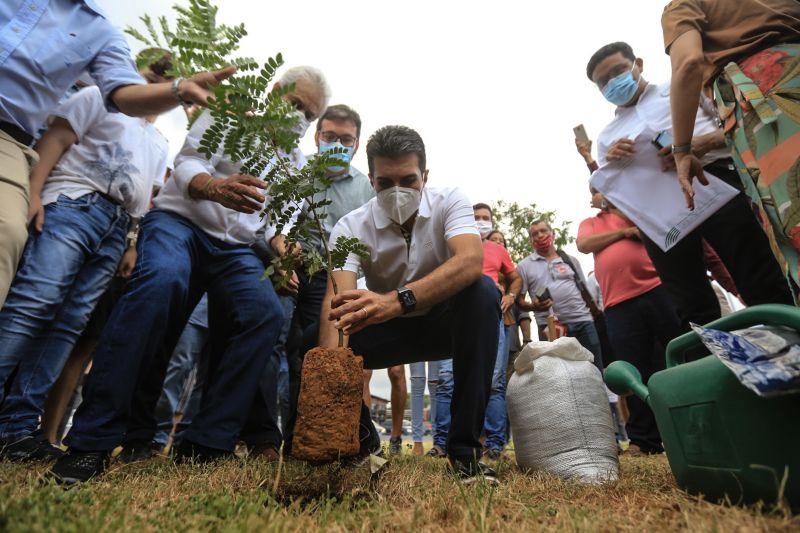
{"type": "Point", "coordinates": [722, 440]}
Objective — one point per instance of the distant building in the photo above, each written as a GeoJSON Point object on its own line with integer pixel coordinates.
{"type": "Point", "coordinates": [378, 408]}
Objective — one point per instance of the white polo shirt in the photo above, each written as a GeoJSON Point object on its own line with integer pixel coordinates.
{"type": "Point", "coordinates": [214, 219]}
{"type": "Point", "coordinates": [443, 214]}
{"type": "Point", "coordinates": [653, 110]}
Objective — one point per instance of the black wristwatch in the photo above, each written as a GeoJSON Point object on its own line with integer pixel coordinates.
{"type": "Point", "coordinates": [407, 299]}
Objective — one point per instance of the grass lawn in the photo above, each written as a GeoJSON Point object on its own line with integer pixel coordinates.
{"type": "Point", "coordinates": [412, 494]}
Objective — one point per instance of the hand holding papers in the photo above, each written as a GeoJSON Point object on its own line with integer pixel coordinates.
{"type": "Point", "coordinates": [653, 199]}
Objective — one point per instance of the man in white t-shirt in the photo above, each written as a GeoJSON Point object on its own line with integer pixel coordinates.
{"type": "Point", "coordinates": [732, 231]}
{"type": "Point", "coordinates": [94, 177]}
{"type": "Point", "coordinates": [197, 240]}
{"type": "Point", "coordinates": [426, 296]}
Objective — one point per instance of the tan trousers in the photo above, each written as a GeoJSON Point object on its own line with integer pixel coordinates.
{"type": "Point", "coordinates": [15, 165]}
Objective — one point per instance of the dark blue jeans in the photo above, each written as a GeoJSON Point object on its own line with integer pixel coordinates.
{"type": "Point", "coordinates": [464, 328]}
{"type": "Point", "coordinates": [63, 273]}
{"type": "Point", "coordinates": [586, 334]}
{"type": "Point", "coordinates": [444, 398]}
{"type": "Point", "coordinates": [303, 335]}
{"type": "Point", "coordinates": [639, 329]}
{"type": "Point", "coordinates": [177, 263]}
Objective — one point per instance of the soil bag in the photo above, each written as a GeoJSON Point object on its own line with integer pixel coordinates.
{"type": "Point", "coordinates": [764, 359]}
{"type": "Point", "coordinates": [329, 406]}
{"type": "Point", "coordinates": [559, 413]}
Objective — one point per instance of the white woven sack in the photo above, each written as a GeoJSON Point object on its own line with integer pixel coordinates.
{"type": "Point", "coordinates": [559, 413]}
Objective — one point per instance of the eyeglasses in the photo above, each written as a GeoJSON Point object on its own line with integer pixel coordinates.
{"type": "Point", "coordinates": [332, 137]}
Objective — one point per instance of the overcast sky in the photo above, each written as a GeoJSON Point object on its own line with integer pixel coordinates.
{"type": "Point", "coordinates": [494, 88]}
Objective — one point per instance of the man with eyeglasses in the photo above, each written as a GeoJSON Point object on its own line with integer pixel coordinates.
{"type": "Point", "coordinates": [338, 127]}
{"type": "Point", "coordinates": [732, 231]}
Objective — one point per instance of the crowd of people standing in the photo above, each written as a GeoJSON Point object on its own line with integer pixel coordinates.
{"type": "Point", "coordinates": [150, 271]}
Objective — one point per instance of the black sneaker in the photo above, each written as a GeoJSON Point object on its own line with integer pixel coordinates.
{"type": "Point", "coordinates": [396, 445]}
{"type": "Point", "coordinates": [138, 451]}
{"type": "Point", "coordinates": [469, 471]}
{"type": "Point", "coordinates": [78, 467]}
{"type": "Point", "coordinates": [436, 452]}
{"type": "Point", "coordinates": [191, 452]}
{"type": "Point", "coordinates": [34, 447]}
{"type": "Point", "coordinates": [495, 454]}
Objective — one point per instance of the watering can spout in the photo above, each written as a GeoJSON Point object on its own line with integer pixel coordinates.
{"type": "Point", "coordinates": [624, 379]}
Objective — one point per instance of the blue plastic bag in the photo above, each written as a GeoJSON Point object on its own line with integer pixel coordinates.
{"type": "Point", "coordinates": [766, 360]}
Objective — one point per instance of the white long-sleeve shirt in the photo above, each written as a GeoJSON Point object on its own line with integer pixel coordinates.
{"type": "Point", "coordinates": [214, 219]}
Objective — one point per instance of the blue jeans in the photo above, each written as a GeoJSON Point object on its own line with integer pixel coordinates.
{"type": "Point", "coordinates": [261, 427]}
{"type": "Point", "coordinates": [63, 273]}
{"type": "Point", "coordinates": [444, 397]}
{"type": "Point", "coordinates": [156, 398]}
{"type": "Point", "coordinates": [418, 396]}
{"type": "Point", "coordinates": [494, 425]}
{"type": "Point", "coordinates": [586, 334]}
{"type": "Point", "coordinates": [177, 263]}
{"type": "Point", "coordinates": [186, 358]}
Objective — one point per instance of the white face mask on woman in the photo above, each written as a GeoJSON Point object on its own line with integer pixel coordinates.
{"type": "Point", "coordinates": [399, 203]}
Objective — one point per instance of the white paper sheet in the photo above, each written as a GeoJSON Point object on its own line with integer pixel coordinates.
{"type": "Point", "coordinates": [653, 199]}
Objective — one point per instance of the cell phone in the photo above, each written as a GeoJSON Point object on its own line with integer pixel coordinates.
{"type": "Point", "coordinates": [543, 295]}
{"type": "Point", "coordinates": [663, 139]}
{"type": "Point", "coordinates": [580, 133]}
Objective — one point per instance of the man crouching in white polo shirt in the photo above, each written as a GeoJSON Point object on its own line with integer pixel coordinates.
{"type": "Point", "coordinates": [427, 297]}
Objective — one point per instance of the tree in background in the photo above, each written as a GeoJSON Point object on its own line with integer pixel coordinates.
{"type": "Point", "coordinates": [514, 220]}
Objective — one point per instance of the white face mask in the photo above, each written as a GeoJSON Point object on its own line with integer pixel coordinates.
{"type": "Point", "coordinates": [399, 203]}
{"type": "Point", "coordinates": [301, 127]}
{"type": "Point", "coordinates": [485, 227]}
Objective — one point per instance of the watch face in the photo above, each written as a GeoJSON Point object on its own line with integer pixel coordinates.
{"type": "Point", "coordinates": [407, 299]}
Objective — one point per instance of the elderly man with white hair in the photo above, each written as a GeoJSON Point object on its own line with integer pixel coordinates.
{"type": "Point", "coordinates": [197, 239]}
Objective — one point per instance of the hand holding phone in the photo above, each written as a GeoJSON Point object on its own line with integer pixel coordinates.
{"type": "Point", "coordinates": [580, 133]}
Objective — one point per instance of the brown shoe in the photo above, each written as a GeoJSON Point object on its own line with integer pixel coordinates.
{"type": "Point", "coordinates": [265, 452]}
{"type": "Point", "coordinates": [418, 449]}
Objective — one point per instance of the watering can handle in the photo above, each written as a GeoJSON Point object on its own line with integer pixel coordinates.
{"type": "Point", "coordinates": [623, 378]}
{"type": "Point", "coordinates": [767, 314]}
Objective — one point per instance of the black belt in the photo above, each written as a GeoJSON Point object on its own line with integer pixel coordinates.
{"type": "Point", "coordinates": [16, 133]}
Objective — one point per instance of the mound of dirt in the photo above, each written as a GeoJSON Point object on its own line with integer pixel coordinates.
{"type": "Point", "coordinates": [329, 406]}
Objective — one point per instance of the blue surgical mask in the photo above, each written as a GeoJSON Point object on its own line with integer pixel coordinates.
{"type": "Point", "coordinates": [345, 157]}
{"type": "Point", "coordinates": [620, 90]}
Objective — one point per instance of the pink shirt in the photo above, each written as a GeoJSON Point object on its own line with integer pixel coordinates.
{"type": "Point", "coordinates": [623, 269]}
{"type": "Point", "coordinates": [496, 260]}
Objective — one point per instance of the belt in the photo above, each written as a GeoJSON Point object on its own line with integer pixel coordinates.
{"type": "Point", "coordinates": [16, 133]}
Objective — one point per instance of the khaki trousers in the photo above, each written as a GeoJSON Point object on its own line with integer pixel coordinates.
{"type": "Point", "coordinates": [15, 165]}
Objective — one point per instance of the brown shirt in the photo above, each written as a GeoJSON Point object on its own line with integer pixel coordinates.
{"type": "Point", "coordinates": [732, 29]}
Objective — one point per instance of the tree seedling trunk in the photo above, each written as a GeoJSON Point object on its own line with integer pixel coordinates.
{"type": "Point", "coordinates": [329, 405]}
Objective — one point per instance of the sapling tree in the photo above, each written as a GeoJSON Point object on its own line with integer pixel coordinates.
{"type": "Point", "coordinates": [253, 125]}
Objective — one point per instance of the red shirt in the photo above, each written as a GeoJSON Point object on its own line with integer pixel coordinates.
{"type": "Point", "coordinates": [496, 260]}
{"type": "Point", "coordinates": [623, 268]}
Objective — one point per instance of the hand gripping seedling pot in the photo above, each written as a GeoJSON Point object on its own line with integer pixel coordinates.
{"type": "Point", "coordinates": [722, 440]}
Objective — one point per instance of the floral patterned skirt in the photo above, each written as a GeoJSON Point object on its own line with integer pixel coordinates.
{"type": "Point", "coordinates": [758, 100]}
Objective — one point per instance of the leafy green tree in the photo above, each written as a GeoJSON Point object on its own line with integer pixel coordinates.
{"type": "Point", "coordinates": [514, 220]}
{"type": "Point", "coordinates": [253, 125]}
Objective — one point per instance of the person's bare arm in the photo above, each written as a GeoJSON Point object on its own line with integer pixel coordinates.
{"type": "Point", "coordinates": [514, 288]}
{"type": "Point", "coordinates": [157, 98]}
{"type": "Point", "coordinates": [591, 244]}
{"type": "Point", "coordinates": [525, 326]}
{"type": "Point", "coordinates": [328, 334]}
{"type": "Point", "coordinates": [688, 63]}
{"type": "Point", "coordinates": [464, 268]}
{"type": "Point", "coordinates": [55, 141]}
